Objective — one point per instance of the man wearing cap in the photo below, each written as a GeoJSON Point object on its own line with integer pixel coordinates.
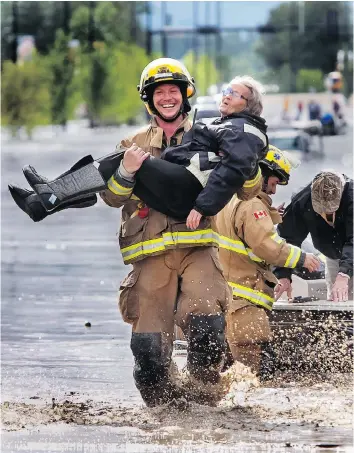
{"type": "Point", "coordinates": [324, 208]}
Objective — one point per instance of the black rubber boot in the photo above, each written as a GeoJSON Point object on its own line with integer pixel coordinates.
{"type": "Point", "coordinates": [152, 369]}
{"type": "Point", "coordinates": [206, 349]}
{"type": "Point", "coordinates": [29, 202]}
{"type": "Point", "coordinates": [82, 179]}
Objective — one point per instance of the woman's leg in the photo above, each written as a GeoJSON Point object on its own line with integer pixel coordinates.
{"type": "Point", "coordinates": [166, 187]}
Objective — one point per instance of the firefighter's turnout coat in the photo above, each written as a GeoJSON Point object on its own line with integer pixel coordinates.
{"type": "Point", "coordinates": [145, 232]}
{"type": "Point", "coordinates": [249, 245]}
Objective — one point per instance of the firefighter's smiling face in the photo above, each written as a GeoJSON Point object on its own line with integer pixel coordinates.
{"type": "Point", "coordinates": [167, 99]}
{"type": "Point", "coordinates": [234, 99]}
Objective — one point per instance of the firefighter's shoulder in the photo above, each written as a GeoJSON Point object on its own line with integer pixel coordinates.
{"type": "Point", "coordinates": [255, 209]}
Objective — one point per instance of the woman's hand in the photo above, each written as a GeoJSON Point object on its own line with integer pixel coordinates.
{"type": "Point", "coordinates": [193, 219]}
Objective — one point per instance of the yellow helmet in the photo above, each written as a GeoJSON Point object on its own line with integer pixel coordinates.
{"type": "Point", "coordinates": [164, 70]}
{"type": "Point", "coordinates": [278, 163]}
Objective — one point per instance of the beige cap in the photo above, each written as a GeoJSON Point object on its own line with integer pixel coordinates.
{"type": "Point", "coordinates": [326, 191]}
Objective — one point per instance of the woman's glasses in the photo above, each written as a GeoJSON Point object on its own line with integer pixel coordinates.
{"type": "Point", "coordinates": [229, 91]}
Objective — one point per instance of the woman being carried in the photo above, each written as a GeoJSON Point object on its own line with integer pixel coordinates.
{"type": "Point", "coordinates": [195, 179]}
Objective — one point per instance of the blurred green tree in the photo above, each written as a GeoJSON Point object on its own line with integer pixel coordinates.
{"type": "Point", "coordinates": [61, 66]}
{"type": "Point", "coordinates": [125, 102]}
{"type": "Point", "coordinates": [25, 98]}
{"type": "Point", "coordinates": [107, 79]}
{"type": "Point", "coordinates": [113, 21]}
{"type": "Point", "coordinates": [94, 73]}
{"type": "Point", "coordinates": [308, 80]}
{"type": "Point", "coordinates": [317, 47]}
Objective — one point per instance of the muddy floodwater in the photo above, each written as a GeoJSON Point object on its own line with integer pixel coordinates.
{"type": "Point", "coordinates": [66, 364]}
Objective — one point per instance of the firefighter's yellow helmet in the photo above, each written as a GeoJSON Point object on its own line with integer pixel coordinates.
{"type": "Point", "coordinates": [278, 163]}
{"type": "Point", "coordinates": [164, 70]}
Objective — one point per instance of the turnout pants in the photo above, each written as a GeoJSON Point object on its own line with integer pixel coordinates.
{"type": "Point", "coordinates": [183, 286]}
{"type": "Point", "coordinates": [248, 333]}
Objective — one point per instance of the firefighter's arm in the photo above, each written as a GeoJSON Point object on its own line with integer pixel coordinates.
{"type": "Point", "coordinates": [252, 187]}
{"type": "Point", "coordinates": [120, 184]}
{"type": "Point", "coordinates": [261, 236]}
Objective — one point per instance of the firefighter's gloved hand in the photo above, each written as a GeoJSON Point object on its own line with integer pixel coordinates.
{"type": "Point", "coordinates": [311, 263]}
{"type": "Point", "coordinates": [340, 288]}
{"type": "Point", "coordinates": [284, 284]}
{"type": "Point", "coordinates": [133, 158]}
{"type": "Point", "coordinates": [193, 219]}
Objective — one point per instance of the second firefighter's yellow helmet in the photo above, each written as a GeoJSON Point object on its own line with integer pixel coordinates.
{"type": "Point", "coordinates": [278, 163]}
{"type": "Point", "coordinates": [164, 70]}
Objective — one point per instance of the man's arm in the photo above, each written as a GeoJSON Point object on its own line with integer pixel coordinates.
{"type": "Point", "coordinates": [294, 231]}
{"type": "Point", "coordinates": [120, 185]}
{"type": "Point", "coordinates": [260, 235]}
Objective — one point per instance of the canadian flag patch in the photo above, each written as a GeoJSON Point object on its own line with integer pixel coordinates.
{"type": "Point", "coordinates": [260, 214]}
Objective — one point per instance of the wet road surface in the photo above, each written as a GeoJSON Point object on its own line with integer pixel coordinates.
{"type": "Point", "coordinates": [68, 388]}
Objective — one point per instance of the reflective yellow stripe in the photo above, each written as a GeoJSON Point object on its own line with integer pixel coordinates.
{"type": "Point", "coordinates": [237, 247]}
{"type": "Point", "coordinates": [293, 257]}
{"type": "Point", "coordinates": [277, 238]}
{"type": "Point", "coordinates": [117, 189]}
{"type": "Point", "coordinates": [168, 239]}
{"type": "Point", "coordinates": [294, 254]}
{"type": "Point", "coordinates": [257, 297]}
{"type": "Point", "coordinates": [252, 182]}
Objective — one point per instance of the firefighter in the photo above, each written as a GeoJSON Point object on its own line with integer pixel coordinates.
{"type": "Point", "coordinates": [323, 209]}
{"type": "Point", "coordinates": [249, 245]}
{"type": "Point", "coordinates": [176, 276]}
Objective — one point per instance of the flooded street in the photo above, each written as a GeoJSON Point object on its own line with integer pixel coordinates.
{"type": "Point", "coordinates": [66, 363]}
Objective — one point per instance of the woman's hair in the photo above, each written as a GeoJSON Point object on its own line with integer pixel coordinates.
{"type": "Point", "coordinates": [254, 102]}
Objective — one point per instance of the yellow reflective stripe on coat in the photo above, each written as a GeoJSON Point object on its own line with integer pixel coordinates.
{"type": "Point", "coordinates": [257, 297]}
{"type": "Point", "coordinates": [294, 254]}
{"type": "Point", "coordinates": [277, 238]}
{"type": "Point", "coordinates": [237, 247]}
{"type": "Point", "coordinates": [166, 241]}
{"type": "Point", "coordinates": [252, 182]}
{"type": "Point", "coordinates": [293, 257]}
{"type": "Point", "coordinates": [117, 189]}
